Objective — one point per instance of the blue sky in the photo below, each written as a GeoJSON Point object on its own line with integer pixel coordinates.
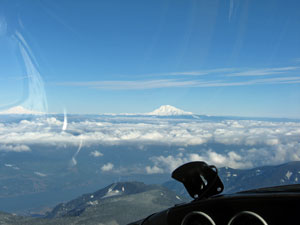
{"type": "Point", "coordinates": [210, 57]}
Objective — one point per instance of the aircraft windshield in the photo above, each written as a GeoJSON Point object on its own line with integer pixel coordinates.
{"type": "Point", "coordinates": [94, 93]}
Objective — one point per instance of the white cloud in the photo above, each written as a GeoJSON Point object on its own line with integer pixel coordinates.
{"type": "Point", "coordinates": [188, 83]}
{"type": "Point", "coordinates": [153, 170]}
{"type": "Point", "coordinates": [14, 148]}
{"type": "Point", "coordinates": [11, 166]}
{"type": "Point", "coordinates": [133, 84]}
{"type": "Point", "coordinates": [166, 164]}
{"type": "Point", "coordinates": [171, 162]}
{"type": "Point", "coordinates": [107, 167]}
{"type": "Point", "coordinates": [193, 73]}
{"type": "Point", "coordinates": [265, 71]}
{"type": "Point", "coordinates": [96, 153]}
{"type": "Point", "coordinates": [245, 158]}
{"type": "Point", "coordinates": [40, 174]}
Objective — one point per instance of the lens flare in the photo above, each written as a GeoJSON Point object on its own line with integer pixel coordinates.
{"type": "Point", "coordinates": [36, 99]}
{"type": "Point", "coordinates": [73, 160]}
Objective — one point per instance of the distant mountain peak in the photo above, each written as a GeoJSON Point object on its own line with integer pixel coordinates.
{"type": "Point", "coordinates": [168, 110]}
{"type": "Point", "coordinates": [20, 110]}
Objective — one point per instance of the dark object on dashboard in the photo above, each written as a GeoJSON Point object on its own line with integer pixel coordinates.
{"type": "Point", "coordinates": [199, 179]}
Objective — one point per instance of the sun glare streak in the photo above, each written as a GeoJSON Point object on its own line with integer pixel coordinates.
{"type": "Point", "coordinates": [36, 99]}
{"type": "Point", "coordinates": [3, 26]}
{"type": "Point", "coordinates": [73, 160]}
{"type": "Point", "coordinates": [65, 124]}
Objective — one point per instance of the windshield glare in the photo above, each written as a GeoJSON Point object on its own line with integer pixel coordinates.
{"type": "Point", "coordinates": [94, 93]}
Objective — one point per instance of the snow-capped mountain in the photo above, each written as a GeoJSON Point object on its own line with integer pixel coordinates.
{"type": "Point", "coordinates": [168, 110]}
{"type": "Point", "coordinates": [164, 110]}
{"type": "Point", "coordinates": [20, 110]}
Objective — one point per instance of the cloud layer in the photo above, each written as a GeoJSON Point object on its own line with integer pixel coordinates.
{"type": "Point", "coordinates": [245, 143]}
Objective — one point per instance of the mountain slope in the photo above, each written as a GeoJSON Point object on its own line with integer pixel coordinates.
{"type": "Point", "coordinates": [239, 180]}
{"type": "Point", "coordinates": [106, 195]}
{"type": "Point", "coordinates": [125, 209]}
{"type": "Point", "coordinates": [119, 203]}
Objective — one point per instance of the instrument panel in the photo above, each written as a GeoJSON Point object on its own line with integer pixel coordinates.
{"type": "Point", "coordinates": [238, 209]}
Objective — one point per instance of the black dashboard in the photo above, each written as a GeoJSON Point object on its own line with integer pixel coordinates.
{"type": "Point", "coordinates": [275, 205]}
{"type": "Point", "coordinates": [238, 209]}
{"type": "Point", "coordinates": [254, 209]}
